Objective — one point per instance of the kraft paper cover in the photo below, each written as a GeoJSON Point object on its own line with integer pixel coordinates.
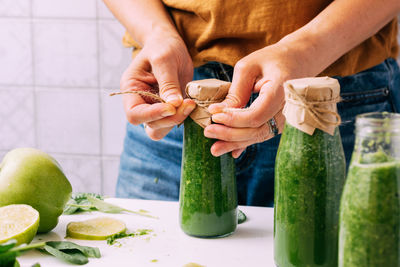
{"type": "Point", "coordinates": [311, 103]}
{"type": "Point", "coordinates": [204, 93]}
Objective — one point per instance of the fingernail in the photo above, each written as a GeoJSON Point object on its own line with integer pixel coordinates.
{"type": "Point", "coordinates": [174, 99]}
{"type": "Point", "coordinates": [187, 110]}
{"type": "Point", "coordinates": [219, 117]}
{"type": "Point", "coordinates": [167, 113]}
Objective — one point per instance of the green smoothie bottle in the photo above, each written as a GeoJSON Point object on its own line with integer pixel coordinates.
{"type": "Point", "coordinates": [208, 193]}
{"type": "Point", "coordinates": [370, 207]}
{"type": "Point", "coordinates": [309, 176]}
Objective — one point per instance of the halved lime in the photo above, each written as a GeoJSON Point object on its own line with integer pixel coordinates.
{"type": "Point", "coordinates": [95, 229]}
{"type": "Point", "coordinates": [19, 222]}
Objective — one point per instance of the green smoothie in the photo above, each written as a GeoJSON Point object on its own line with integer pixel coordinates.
{"type": "Point", "coordinates": [309, 177]}
{"type": "Point", "coordinates": [208, 194]}
{"type": "Point", "coordinates": [370, 214]}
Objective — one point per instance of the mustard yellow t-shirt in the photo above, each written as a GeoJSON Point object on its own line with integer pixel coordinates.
{"type": "Point", "coordinates": [226, 31]}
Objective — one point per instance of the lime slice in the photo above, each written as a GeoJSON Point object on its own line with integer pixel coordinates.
{"type": "Point", "coordinates": [95, 229]}
{"type": "Point", "coordinates": [19, 222]}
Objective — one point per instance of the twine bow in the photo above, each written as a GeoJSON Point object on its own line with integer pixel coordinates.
{"type": "Point", "coordinates": [312, 107]}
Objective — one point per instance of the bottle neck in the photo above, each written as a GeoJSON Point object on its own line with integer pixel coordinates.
{"type": "Point", "coordinates": [377, 138]}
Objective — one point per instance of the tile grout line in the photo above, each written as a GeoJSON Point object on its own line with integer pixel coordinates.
{"type": "Point", "coordinates": [35, 112]}
{"type": "Point", "coordinates": [102, 183]}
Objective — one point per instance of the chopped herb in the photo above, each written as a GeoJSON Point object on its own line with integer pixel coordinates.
{"type": "Point", "coordinates": [241, 217]}
{"type": "Point", "coordinates": [112, 239]}
{"type": "Point", "coordinates": [155, 260]}
{"type": "Point", "coordinates": [156, 180]}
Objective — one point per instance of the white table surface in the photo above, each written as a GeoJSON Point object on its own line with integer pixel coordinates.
{"type": "Point", "coordinates": [250, 246]}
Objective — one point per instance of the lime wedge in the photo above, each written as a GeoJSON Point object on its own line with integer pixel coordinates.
{"type": "Point", "coordinates": [95, 229]}
{"type": "Point", "coordinates": [19, 222]}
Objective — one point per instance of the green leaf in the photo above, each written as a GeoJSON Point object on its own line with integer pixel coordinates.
{"type": "Point", "coordinates": [241, 217]}
{"type": "Point", "coordinates": [79, 202]}
{"type": "Point", "coordinates": [111, 208]}
{"type": "Point", "coordinates": [8, 258]}
{"type": "Point", "coordinates": [92, 252]}
{"type": "Point", "coordinates": [70, 208]}
{"type": "Point", "coordinates": [36, 265]}
{"type": "Point", "coordinates": [73, 256]}
{"type": "Point", "coordinates": [104, 206]}
{"type": "Point", "coordinates": [8, 245]}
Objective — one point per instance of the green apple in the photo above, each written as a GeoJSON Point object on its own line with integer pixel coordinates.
{"type": "Point", "coordinates": [30, 176]}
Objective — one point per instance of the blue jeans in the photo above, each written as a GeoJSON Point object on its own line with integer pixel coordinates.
{"type": "Point", "coordinates": [151, 170]}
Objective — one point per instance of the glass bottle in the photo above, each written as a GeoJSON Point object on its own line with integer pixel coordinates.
{"type": "Point", "coordinates": [208, 194]}
{"type": "Point", "coordinates": [370, 208]}
{"type": "Point", "coordinates": [310, 172]}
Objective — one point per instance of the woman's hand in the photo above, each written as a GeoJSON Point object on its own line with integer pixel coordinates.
{"type": "Point", "coordinates": [263, 71]}
{"type": "Point", "coordinates": [163, 66]}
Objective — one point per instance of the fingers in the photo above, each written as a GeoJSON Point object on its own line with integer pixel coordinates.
{"type": "Point", "coordinates": [181, 114]}
{"type": "Point", "coordinates": [269, 101]}
{"type": "Point", "coordinates": [236, 139]}
{"type": "Point", "coordinates": [157, 134]}
{"type": "Point", "coordinates": [244, 78]}
{"type": "Point", "coordinates": [236, 153]}
{"type": "Point", "coordinates": [142, 113]}
{"type": "Point", "coordinates": [168, 82]}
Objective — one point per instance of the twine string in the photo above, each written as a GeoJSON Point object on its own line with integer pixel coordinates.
{"type": "Point", "coordinates": [141, 93]}
{"type": "Point", "coordinates": [312, 107]}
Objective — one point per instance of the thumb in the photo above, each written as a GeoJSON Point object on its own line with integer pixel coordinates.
{"type": "Point", "coordinates": [244, 78]}
{"type": "Point", "coordinates": [168, 83]}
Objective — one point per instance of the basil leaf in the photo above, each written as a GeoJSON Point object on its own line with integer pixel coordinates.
{"type": "Point", "coordinates": [8, 259]}
{"type": "Point", "coordinates": [69, 209]}
{"type": "Point", "coordinates": [73, 256]}
{"type": "Point", "coordinates": [66, 245]}
{"type": "Point", "coordinates": [7, 245]}
{"type": "Point", "coordinates": [79, 202]}
{"type": "Point", "coordinates": [241, 217]}
{"type": "Point", "coordinates": [104, 206]}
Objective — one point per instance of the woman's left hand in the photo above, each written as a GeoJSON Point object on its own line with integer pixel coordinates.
{"type": "Point", "coordinates": [263, 71]}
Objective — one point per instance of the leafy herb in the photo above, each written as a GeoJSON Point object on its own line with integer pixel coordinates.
{"type": "Point", "coordinates": [72, 256]}
{"type": "Point", "coordinates": [9, 253]}
{"type": "Point", "coordinates": [112, 239]}
{"type": "Point", "coordinates": [94, 202]}
{"type": "Point", "coordinates": [63, 250]}
{"type": "Point", "coordinates": [91, 252]}
{"type": "Point", "coordinates": [80, 203]}
{"type": "Point", "coordinates": [241, 217]}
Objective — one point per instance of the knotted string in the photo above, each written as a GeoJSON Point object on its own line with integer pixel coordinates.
{"type": "Point", "coordinates": [141, 93]}
{"type": "Point", "coordinates": [317, 113]}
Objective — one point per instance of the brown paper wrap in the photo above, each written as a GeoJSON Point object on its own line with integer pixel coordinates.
{"type": "Point", "coordinates": [205, 93]}
{"type": "Point", "coordinates": [311, 104]}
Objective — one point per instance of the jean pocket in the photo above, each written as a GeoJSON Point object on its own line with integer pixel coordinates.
{"type": "Point", "coordinates": [355, 103]}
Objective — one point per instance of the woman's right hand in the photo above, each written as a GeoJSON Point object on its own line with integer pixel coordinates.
{"type": "Point", "coordinates": [162, 66]}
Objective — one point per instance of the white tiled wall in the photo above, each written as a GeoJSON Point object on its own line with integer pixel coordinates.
{"type": "Point", "coordinates": [59, 60]}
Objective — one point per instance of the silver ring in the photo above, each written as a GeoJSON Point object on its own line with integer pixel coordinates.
{"type": "Point", "coordinates": [273, 127]}
{"type": "Point", "coordinates": [144, 125]}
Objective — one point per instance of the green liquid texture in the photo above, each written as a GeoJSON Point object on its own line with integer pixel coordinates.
{"type": "Point", "coordinates": [370, 214]}
{"type": "Point", "coordinates": [309, 177]}
{"type": "Point", "coordinates": [208, 194]}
